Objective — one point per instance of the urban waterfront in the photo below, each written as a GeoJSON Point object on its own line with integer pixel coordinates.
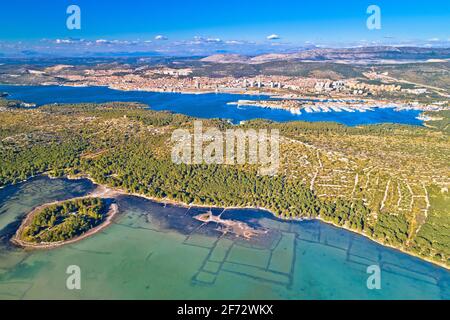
{"type": "Point", "coordinates": [208, 105]}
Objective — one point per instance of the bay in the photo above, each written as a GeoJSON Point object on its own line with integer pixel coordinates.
{"type": "Point", "coordinates": [153, 251]}
{"type": "Point", "coordinates": [209, 105]}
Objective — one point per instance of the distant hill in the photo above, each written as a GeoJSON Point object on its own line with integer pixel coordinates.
{"type": "Point", "coordinates": [226, 58]}
{"type": "Point", "coordinates": [354, 55]}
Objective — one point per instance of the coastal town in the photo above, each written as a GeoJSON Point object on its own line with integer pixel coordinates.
{"type": "Point", "coordinates": [296, 107]}
{"type": "Point", "coordinates": [182, 80]}
{"type": "Point", "coordinates": [296, 94]}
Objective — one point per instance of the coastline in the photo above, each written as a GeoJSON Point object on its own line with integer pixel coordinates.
{"type": "Point", "coordinates": [384, 104]}
{"type": "Point", "coordinates": [239, 91]}
{"type": "Point", "coordinates": [112, 212]}
{"type": "Point", "coordinates": [154, 90]}
{"type": "Point", "coordinates": [170, 201]}
{"type": "Point", "coordinates": [185, 205]}
{"type": "Point", "coordinates": [104, 190]}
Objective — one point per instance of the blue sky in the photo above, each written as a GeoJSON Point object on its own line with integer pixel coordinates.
{"type": "Point", "coordinates": [293, 20]}
{"type": "Point", "coordinates": [238, 26]}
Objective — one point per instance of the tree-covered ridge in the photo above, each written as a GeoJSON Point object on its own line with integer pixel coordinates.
{"type": "Point", "coordinates": [439, 120]}
{"type": "Point", "coordinates": [64, 221]}
{"type": "Point", "coordinates": [6, 103]}
{"type": "Point", "coordinates": [389, 182]}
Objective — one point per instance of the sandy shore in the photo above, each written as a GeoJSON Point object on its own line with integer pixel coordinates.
{"type": "Point", "coordinates": [230, 226]}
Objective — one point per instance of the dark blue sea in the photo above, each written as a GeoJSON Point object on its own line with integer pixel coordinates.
{"type": "Point", "coordinates": [202, 105]}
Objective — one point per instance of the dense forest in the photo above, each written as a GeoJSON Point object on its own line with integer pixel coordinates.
{"type": "Point", "coordinates": [440, 120]}
{"type": "Point", "coordinates": [126, 146]}
{"type": "Point", "coordinates": [64, 221]}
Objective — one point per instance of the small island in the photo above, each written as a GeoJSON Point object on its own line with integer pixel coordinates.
{"type": "Point", "coordinates": [59, 223]}
{"type": "Point", "coordinates": [238, 228]}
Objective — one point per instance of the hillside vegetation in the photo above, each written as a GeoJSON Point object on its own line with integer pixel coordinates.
{"type": "Point", "coordinates": [389, 182]}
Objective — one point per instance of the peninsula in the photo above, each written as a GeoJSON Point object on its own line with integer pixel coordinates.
{"type": "Point", "coordinates": [388, 182]}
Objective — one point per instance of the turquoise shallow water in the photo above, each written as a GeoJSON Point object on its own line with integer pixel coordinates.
{"type": "Point", "coordinates": [152, 251]}
{"type": "Point", "coordinates": [202, 105]}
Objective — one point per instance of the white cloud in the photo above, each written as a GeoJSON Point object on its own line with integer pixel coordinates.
{"type": "Point", "coordinates": [59, 41]}
{"type": "Point", "coordinates": [273, 37]}
{"type": "Point", "coordinates": [213, 40]}
{"type": "Point", "coordinates": [203, 40]}
{"type": "Point", "coordinates": [233, 42]}
{"type": "Point", "coordinates": [161, 37]}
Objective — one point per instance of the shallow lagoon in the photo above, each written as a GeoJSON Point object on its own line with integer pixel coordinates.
{"type": "Point", "coordinates": [202, 105]}
{"type": "Point", "coordinates": [153, 251]}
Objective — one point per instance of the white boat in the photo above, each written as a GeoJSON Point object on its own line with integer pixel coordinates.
{"type": "Point", "coordinates": [347, 109]}
{"type": "Point", "coordinates": [336, 108]}
{"type": "Point", "coordinates": [295, 111]}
